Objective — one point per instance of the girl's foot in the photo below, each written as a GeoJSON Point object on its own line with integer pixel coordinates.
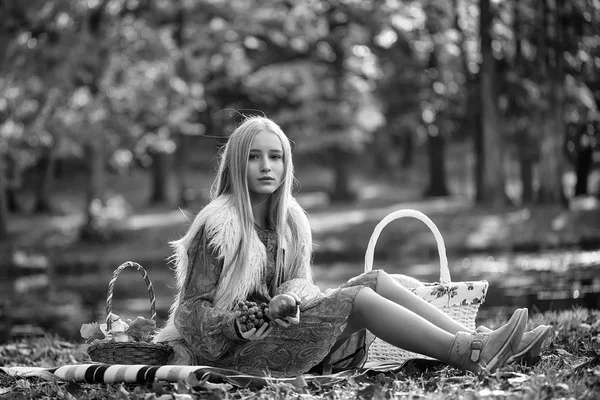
{"type": "Point", "coordinates": [485, 352]}
{"type": "Point", "coordinates": [531, 343]}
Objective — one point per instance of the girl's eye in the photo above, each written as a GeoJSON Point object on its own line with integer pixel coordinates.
{"type": "Point", "coordinates": [253, 157]}
{"type": "Point", "coordinates": [276, 157]}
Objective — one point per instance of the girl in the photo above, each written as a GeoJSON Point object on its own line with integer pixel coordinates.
{"type": "Point", "coordinates": [253, 241]}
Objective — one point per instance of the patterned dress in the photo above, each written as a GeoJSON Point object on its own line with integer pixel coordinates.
{"type": "Point", "coordinates": [314, 345]}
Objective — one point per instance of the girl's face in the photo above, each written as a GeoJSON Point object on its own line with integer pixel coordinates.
{"type": "Point", "coordinates": [265, 165]}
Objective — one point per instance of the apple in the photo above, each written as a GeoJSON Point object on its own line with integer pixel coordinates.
{"type": "Point", "coordinates": [282, 306]}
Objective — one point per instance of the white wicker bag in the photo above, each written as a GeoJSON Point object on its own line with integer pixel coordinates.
{"type": "Point", "coordinates": [460, 300]}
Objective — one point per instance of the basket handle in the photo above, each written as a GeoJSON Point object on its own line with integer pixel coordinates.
{"type": "Point", "coordinates": [111, 287]}
{"type": "Point", "coordinates": [444, 271]}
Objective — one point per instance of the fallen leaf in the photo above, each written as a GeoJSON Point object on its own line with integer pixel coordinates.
{"type": "Point", "coordinates": [519, 378]}
{"type": "Point", "coordinates": [564, 353]}
{"type": "Point", "coordinates": [122, 393]}
{"type": "Point", "coordinates": [178, 396]}
{"type": "Point", "coordinates": [496, 393]}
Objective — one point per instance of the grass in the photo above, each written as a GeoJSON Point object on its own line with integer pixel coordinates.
{"type": "Point", "coordinates": [569, 368]}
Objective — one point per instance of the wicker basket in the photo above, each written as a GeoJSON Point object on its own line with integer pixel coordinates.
{"type": "Point", "coordinates": [130, 352]}
{"type": "Point", "coordinates": [460, 300]}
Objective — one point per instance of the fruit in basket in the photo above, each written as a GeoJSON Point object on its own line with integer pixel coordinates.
{"type": "Point", "coordinates": [282, 306]}
{"type": "Point", "coordinates": [119, 327]}
{"type": "Point", "coordinates": [138, 330]}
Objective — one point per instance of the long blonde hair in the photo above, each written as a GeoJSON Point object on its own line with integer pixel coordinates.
{"type": "Point", "coordinates": [289, 220]}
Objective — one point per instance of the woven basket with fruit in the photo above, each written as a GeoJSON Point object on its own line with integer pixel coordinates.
{"type": "Point", "coordinates": [129, 341]}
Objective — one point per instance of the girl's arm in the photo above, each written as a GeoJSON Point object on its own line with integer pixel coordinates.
{"type": "Point", "coordinates": [196, 317]}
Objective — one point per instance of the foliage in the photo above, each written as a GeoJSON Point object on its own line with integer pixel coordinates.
{"type": "Point", "coordinates": [568, 369]}
{"type": "Point", "coordinates": [130, 79]}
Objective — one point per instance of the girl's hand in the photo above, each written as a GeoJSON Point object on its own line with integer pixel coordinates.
{"type": "Point", "coordinates": [295, 320]}
{"type": "Point", "coordinates": [255, 334]}
{"type": "Point", "coordinates": [295, 296]}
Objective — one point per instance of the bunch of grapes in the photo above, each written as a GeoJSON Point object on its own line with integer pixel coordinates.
{"type": "Point", "coordinates": [251, 315]}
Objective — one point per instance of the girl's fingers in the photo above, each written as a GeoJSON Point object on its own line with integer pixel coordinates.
{"type": "Point", "coordinates": [266, 331]}
{"type": "Point", "coordinates": [262, 329]}
{"type": "Point", "coordinates": [282, 323]}
{"type": "Point", "coordinates": [296, 297]}
{"type": "Point", "coordinates": [295, 320]}
{"type": "Point", "coordinates": [257, 334]}
{"type": "Point", "coordinates": [249, 334]}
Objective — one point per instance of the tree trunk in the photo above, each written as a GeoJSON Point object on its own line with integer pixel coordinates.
{"type": "Point", "coordinates": [551, 154]}
{"type": "Point", "coordinates": [470, 121]}
{"type": "Point", "coordinates": [45, 174]}
{"type": "Point", "coordinates": [160, 170]}
{"type": "Point", "coordinates": [435, 142]}
{"type": "Point", "coordinates": [95, 193]}
{"type": "Point", "coordinates": [342, 190]}
{"type": "Point", "coordinates": [526, 145]}
{"type": "Point", "coordinates": [554, 128]}
{"type": "Point", "coordinates": [437, 171]}
{"type": "Point", "coordinates": [3, 200]}
{"type": "Point", "coordinates": [12, 182]}
{"type": "Point", "coordinates": [526, 169]}
{"type": "Point", "coordinates": [493, 192]}
{"type": "Point", "coordinates": [341, 159]}
{"type": "Point", "coordinates": [583, 166]}
{"type": "Point", "coordinates": [95, 147]}
{"type": "Point", "coordinates": [182, 192]}
{"type": "Point", "coordinates": [408, 149]}
{"type": "Point", "coordinates": [480, 159]}
{"type": "Point", "coordinates": [183, 195]}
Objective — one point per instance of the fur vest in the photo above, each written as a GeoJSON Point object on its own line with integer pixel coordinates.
{"type": "Point", "coordinates": [223, 232]}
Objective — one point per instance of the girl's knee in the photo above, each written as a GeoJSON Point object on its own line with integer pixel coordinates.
{"type": "Point", "coordinates": [364, 300]}
{"type": "Point", "coordinates": [376, 276]}
{"type": "Point", "coordinates": [405, 281]}
{"type": "Point", "coordinates": [363, 304]}
{"type": "Point", "coordinates": [382, 278]}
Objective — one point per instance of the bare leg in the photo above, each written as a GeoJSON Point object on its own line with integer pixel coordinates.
{"type": "Point", "coordinates": [398, 325]}
{"type": "Point", "coordinates": [391, 289]}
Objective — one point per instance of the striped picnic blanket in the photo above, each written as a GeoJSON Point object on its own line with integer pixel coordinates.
{"type": "Point", "coordinates": [111, 373]}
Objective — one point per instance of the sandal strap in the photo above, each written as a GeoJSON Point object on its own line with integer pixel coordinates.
{"type": "Point", "coordinates": [477, 346]}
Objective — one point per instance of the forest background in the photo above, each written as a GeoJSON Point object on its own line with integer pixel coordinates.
{"type": "Point", "coordinates": [101, 87]}
{"type": "Point", "coordinates": [116, 108]}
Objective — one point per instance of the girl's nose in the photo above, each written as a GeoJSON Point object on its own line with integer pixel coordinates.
{"type": "Point", "coordinates": [265, 166]}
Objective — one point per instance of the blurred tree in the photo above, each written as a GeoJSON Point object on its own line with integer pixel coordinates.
{"type": "Point", "coordinates": [470, 121]}
{"type": "Point", "coordinates": [519, 105]}
{"type": "Point", "coordinates": [435, 107]}
{"type": "Point", "coordinates": [181, 71]}
{"type": "Point", "coordinates": [318, 84]}
{"type": "Point", "coordinates": [491, 191]}
{"type": "Point", "coordinates": [33, 86]}
{"type": "Point", "coordinates": [551, 76]}
{"type": "Point", "coordinates": [3, 197]}
{"type": "Point", "coordinates": [397, 39]}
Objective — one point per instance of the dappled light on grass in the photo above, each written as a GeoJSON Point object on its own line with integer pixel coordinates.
{"type": "Point", "coordinates": [336, 221]}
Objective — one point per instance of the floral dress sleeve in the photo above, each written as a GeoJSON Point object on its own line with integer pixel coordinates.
{"type": "Point", "coordinates": [210, 331]}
